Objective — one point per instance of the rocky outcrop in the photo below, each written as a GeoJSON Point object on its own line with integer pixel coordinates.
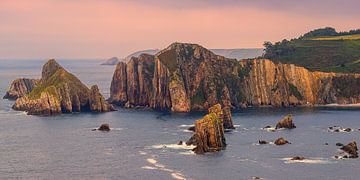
{"type": "Point", "coordinates": [112, 61]}
{"type": "Point", "coordinates": [20, 87]}
{"type": "Point", "coordinates": [187, 77]}
{"type": "Point", "coordinates": [209, 132]}
{"type": "Point", "coordinates": [59, 91]}
{"type": "Point", "coordinates": [286, 122]}
{"type": "Point", "coordinates": [351, 149]}
{"type": "Point", "coordinates": [281, 141]}
{"type": "Point", "coordinates": [104, 127]}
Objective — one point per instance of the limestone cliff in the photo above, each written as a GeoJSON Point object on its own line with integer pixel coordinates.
{"type": "Point", "coordinates": [19, 87]}
{"type": "Point", "coordinates": [59, 91]}
{"type": "Point", "coordinates": [187, 77]}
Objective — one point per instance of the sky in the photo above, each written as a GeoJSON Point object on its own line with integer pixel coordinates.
{"type": "Point", "coordinates": [81, 29]}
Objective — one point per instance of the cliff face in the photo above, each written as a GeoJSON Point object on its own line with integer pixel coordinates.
{"type": "Point", "coordinates": [186, 77]}
{"type": "Point", "coordinates": [19, 87]}
{"type": "Point", "coordinates": [59, 91]}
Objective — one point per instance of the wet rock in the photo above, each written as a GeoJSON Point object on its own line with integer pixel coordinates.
{"type": "Point", "coordinates": [351, 149]}
{"type": "Point", "coordinates": [347, 129]}
{"type": "Point", "coordinates": [209, 132]}
{"type": "Point", "coordinates": [337, 130]}
{"type": "Point", "coordinates": [20, 87]}
{"type": "Point", "coordinates": [326, 144]}
{"type": "Point", "coordinates": [339, 144]}
{"type": "Point", "coordinates": [263, 142]}
{"type": "Point", "coordinates": [281, 141]}
{"type": "Point", "coordinates": [104, 127]}
{"type": "Point", "coordinates": [286, 122]}
{"type": "Point", "coordinates": [297, 158]}
{"type": "Point", "coordinates": [267, 127]}
{"type": "Point", "coordinates": [180, 143]}
{"type": "Point", "coordinates": [192, 128]}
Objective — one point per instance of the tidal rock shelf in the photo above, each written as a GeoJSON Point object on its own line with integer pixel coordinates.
{"type": "Point", "coordinates": [59, 91]}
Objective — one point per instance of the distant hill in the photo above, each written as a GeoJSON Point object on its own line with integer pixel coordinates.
{"type": "Point", "coordinates": [321, 50]}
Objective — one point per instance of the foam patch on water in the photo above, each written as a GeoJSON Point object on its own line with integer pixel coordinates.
{"type": "Point", "coordinates": [187, 131]}
{"type": "Point", "coordinates": [237, 125]}
{"type": "Point", "coordinates": [173, 146]}
{"type": "Point", "coordinates": [187, 153]}
{"type": "Point", "coordinates": [178, 176]}
{"type": "Point", "coordinates": [157, 166]}
{"type": "Point", "coordinates": [151, 161]}
{"type": "Point", "coordinates": [306, 161]}
{"type": "Point", "coordinates": [271, 129]}
{"type": "Point", "coordinates": [186, 125]}
{"type": "Point", "coordinates": [142, 152]}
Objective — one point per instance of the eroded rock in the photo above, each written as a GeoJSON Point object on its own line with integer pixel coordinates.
{"type": "Point", "coordinates": [286, 122]}
{"type": "Point", "coordinates": [104, 127]}
{"type": "Point", "coordinates": [20, 87]}
{"type": "Point", "coordinates": [281, 141]}
{"type": "Point", "coordinates": [351, 149]}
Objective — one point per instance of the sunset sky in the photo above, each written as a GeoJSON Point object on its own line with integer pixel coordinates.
{"type": "Point", "coordinates": [104, 28]}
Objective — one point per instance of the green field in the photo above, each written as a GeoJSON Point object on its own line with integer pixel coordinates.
{"type": "Point", "coordinates": [323, 53]}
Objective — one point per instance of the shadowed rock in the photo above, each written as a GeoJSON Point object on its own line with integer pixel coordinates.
{"type": "Point", "coordinates": [351, 149]}
{"type": "Point", "coordinates": [104, 127]}
{"type": "Point", "coordinates": [297, 158]}
{"type": "Point", "coordinates": [281, 141]}
{"type": "Point", "coordinates": [263, 142]}
{"type": "Point", "coordinates": [286, 122]}
{"type": "Point", "coordinates": [20, 87]}
{"type": "Point", "coordinates": [209, 132]}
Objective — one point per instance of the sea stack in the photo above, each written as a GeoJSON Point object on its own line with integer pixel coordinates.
{"type": "Point", "coordinates": [19, 87]}
{"type": "Point", "coordinates": [286, 122]}
{"type": "Point", "coordinates": [58, 92]}
{"type": "Point", "coordinates": [209, 132]}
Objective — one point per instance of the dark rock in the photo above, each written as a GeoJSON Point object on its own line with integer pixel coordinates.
{"type": "Point", "coordinates": [192, 128]}
{"type": "Point", "coordinates": [326, 144]}
{"type": "Point", "coordinates": [209, 132]}
{"type": "Point", "coordinates": [351, 149]}
{"type": "Point", "coordinates": [347, 129]}
{"type": "Point", "coordinates": [337, 130]}
{"type": "Point", "coordinates": [267, 127]}
{"type": "Point", "coordinates": [263, 142]}
{"type": "Point", "coordinates": [286, 122]}
{"type": "Point", "coordinates": [20, 87]}
{"type": "Point", "coordinates": [180, 143]}
{"type": "Point", "coordinates": [297, 158]}
{"type": "Point", "coordinates": [104, 127]}
{"type": "Point", "coordinates": [281, 141]}
{"type": "Point", "coordinates": [339, 144]}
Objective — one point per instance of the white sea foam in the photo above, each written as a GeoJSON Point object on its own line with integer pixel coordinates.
{"type": "Point", "coordinates": [178, 176]}
{"type": "Point", "coordinates": [307, 161]}
{"type": "Point", "coordinates": [157, 166]}
{"type": "Point", "coordinates": [237, 125]}
{"type": "Point", "coordinates": [186, 125]}
{"type": "Point", "coordinates": [173, 146]}
{"type": "Point", "coordinates": [149, 167]}
{"type": "Point", "coordinates": [142, 152]}
{"type": "Point", "coordinates": [188, 131]}
{"type": "Point", "coordinates": [187, 153]}
{"type": "Point", "coordinates": [151, 161]}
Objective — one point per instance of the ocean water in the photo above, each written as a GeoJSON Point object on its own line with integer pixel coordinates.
{"type": "Point", "coordinates": [142, 143]}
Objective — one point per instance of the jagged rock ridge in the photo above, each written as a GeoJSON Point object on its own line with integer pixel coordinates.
{"type": "Point", "coordinates": [187, 77]}
{"type": "Point", "coordinates": [59, 91]}
{"type": "Point", "coordinates": [19, 87]}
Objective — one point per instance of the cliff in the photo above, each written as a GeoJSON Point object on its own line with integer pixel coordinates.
{"type": "Point", "coordinates": [19, 87]}
{"type": "Point", "coordinates": [59, 91]}
{"type": "Point", "coordinates": [187, 77]}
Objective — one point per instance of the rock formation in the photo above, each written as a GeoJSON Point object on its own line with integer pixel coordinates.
{"type": "Point", "coordinates": [59, 91]}
{"type": "Point", "coordinates": [104, 127]}
{"type": "Point", "coordinates": [281, 141]}
{"type": "Point", "coordinates": [187, 77]}
{"type": "Point", "coordinates": [351, 149]}
{"type": "Point", "coordinates": [19, 87]}
{"type": "Point", "coordinates": [209, 132]}
{"type": "Point", "coordinates": [112, 61]}
{"type": "Point", "coordinates": [286, 122]}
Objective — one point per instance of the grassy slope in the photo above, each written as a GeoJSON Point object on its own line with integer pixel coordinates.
{"type": "Point", "coordinates": [326, 53]}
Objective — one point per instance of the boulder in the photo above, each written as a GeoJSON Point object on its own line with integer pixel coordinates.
{"type": "Point", "coordinates": [209, 132]}
{"type": "Point", "coordinates": [286, 122]}
{"type": "Point", "coordinates": [297, 158]}
{"type": "Point", "coordinates": [192, 128]}
{"type": "Point", "coordinates": [263, 142]}
{"type": "Point", "coordinates": [339, 144]}
{"type": "Point", "coordinates": [351, 149]}
{"type": "Point", "coordinates": [104, 127]}
{"type": "Point", "coordinates": [281, 141]}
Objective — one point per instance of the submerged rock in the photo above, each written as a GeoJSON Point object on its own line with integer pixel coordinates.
{"type": "Point", "coordinates": [61, 92]}
{"type": "Point", "coordinates": [192, 128]}
{"type": "Point", "coordinates": [209, 132]}
{"type": "Point", "coordinates": [281, 141]}
{"type": "Point", "coordinates": [286, 122]}
{"type": "Point", "coordinates": [351, 149]}
{"type": "Point", "coordinates": [20, 87]}
{"type": "Point", "coordinates": [339, 144]}
{"type": "Point", "coordinates": [104, 127]}
{"type": "Point", "coordinates": [263, 142]}
{"type": "Point", "coordinates": [297, 158]}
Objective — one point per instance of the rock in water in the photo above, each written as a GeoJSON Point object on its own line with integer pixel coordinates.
{"type": "Point", "coordinates": [20, 87]}
{"type": "Point", "coordinates": [286, 122]}
{"type": "Point", "coordinates": [59, 91]}
{"type": "Point", "coordinates": [263, 142]}
{"type": "Point", "coordinates": [104, 127]}
{"type": "Point", "coordinates": [281, 141]}
{"type": "Point", "coordinates": [112, 61]}
{"type": "Point", "coordinates": [209, 132]}
{"type": "Point", "coordinates": [297, 158]}
{"type": "Point", "coordinates": [351, 149]}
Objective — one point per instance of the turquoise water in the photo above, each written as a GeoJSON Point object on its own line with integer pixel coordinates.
{"type": "Point", "coordinates": [141, 144]}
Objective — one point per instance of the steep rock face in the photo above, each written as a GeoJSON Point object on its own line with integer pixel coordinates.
{"type": "Point", "coordinates": [61, 92]}
{"type": "Point", "coordinates": [209, 132]}
{"type": "Point", "coordinates": [188, 77]}
{"type": "Point", "coordinates": [19, 87]}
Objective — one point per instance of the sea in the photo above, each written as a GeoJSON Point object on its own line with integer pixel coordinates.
{"type": "Point", "coordinates": [143, 144]}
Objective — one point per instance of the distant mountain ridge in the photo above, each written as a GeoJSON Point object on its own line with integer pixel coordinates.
{"type": "Point", "coordinates": [239, 54]}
